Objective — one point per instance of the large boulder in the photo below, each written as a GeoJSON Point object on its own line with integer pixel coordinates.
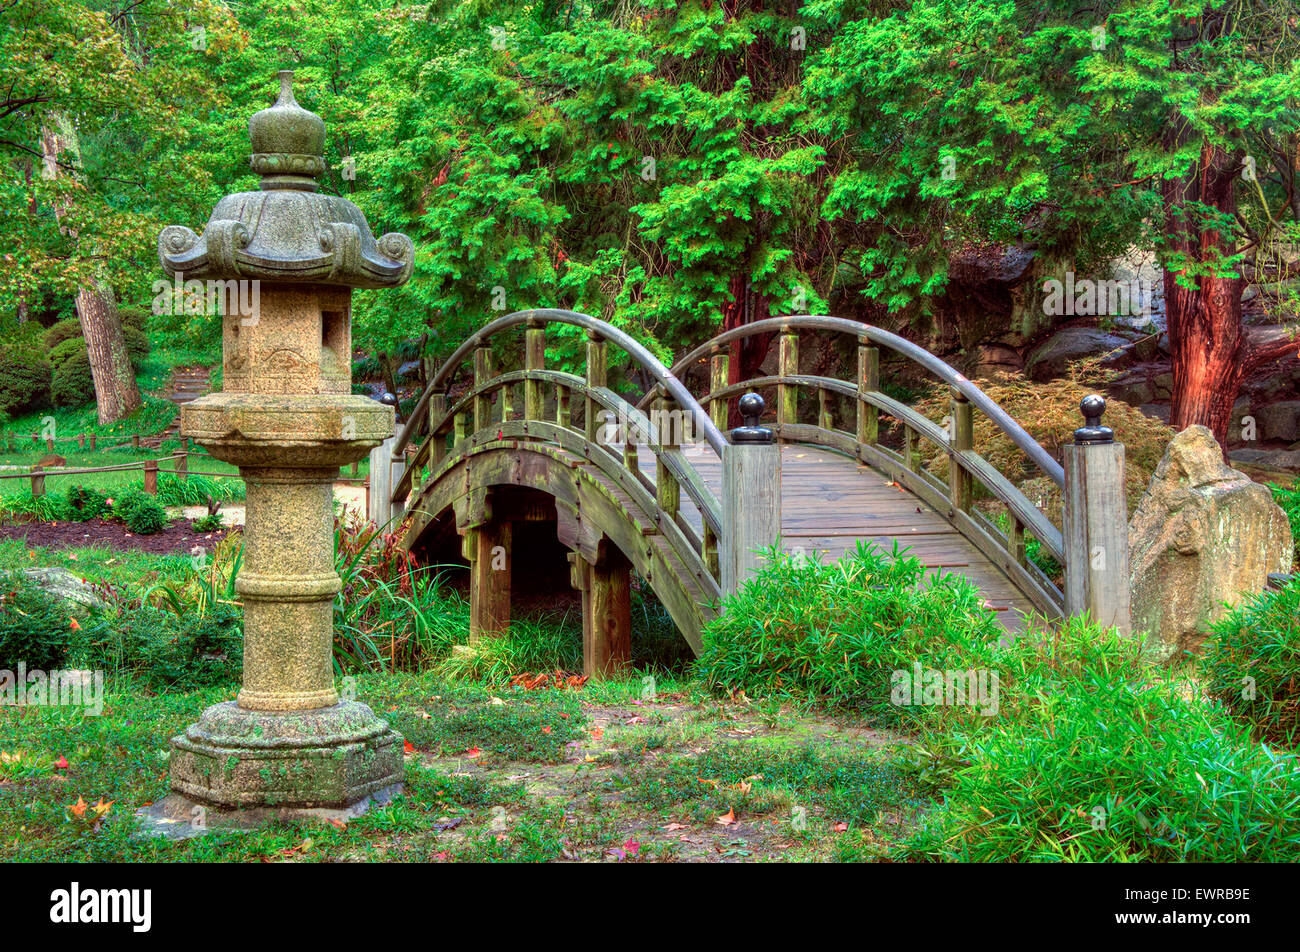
{"type": "Point", "coordinates": [1279, 421]}
{"type": "Point", "coordinates": [1202, 537]}
{"type": "Point", "coordinates": [1053, 356]}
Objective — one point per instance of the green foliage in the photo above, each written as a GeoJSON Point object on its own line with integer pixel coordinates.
{"type": "Point", "coordinates": [61, 331]}
{"type": "Point", "coordinates": [1251, 663]}
{"type": "Point", "coordinates": [164, 650]}
{"type": "Point", "coordinates": [35, 628]}
{"type": "Point", "coordinates": [71, 384]}
{"type": "Point", "coordinates": [24, 378]}
{"type": "Point", "coordinates": [137, 344]}
{"type": "Point", "coordinates": [208, 523]}
{"type": "Point", "coordinates": [85, 504]}
{"type": "Point", "coordinates": [142, 513]}
{"type": "Point", "coordinates": [835, 632]}
{"type": "Point", "coordinates": [1289, 500]}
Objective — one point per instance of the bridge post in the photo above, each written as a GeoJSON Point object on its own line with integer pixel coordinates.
{"type": "Point", "coordinates": [437, 413]}
{"type": "Point", "coordinates": [534, 359]}
{"type": "Point", "coordinates": [787, 394]}
{"type": "Point", "coordinates": [489, 590]}
{"type": "Point", "coordinates": [482, 374]}
{"type": "Point", "coordinates": [596, 377]}
{"type": "Point", "coordinates": [1095, 529]}
{"type": "Point", "coordinates": [868, 382]}
{"type": "Point", "coordinates": [751, 496]}
{"type": "Point", "coordinates": [606, 588]}
{"type": "Point", "coordinates": [961, 436]}
{"type": "Point", "coordinates": [718, 366]}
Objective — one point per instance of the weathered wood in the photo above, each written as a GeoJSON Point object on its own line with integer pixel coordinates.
{"type": "Point", "coordinates": [562, 412]}
{"type": "Point", "coordinates": [961, 436]}
{"type": "Point", "coordinates": [751, 509]}
{"type": "Point", "coordinates": [718, 369]}
{"type": "Point", "coordinates": [135, 441]}
{"type": "Point", "coordinates": [151, 476]}
{"type": "Point", "coordinates": [38, 481]}
{"type": "Point", "coordinates": [483, 372]}
{"type": "Point", "coordinates": [182, 465]}
{"type": "Point", "coordinates": [379, 509]}
{"type": "Point", "coordinates": [460, 426]}
{"type": "Point", "coordinates": [490, 575]}
{"type": "Point", "coordinates": [596, 377]}
{"type": "Point", "coordinates": [1095, 534]}
{"type": "Point", "coordinates": [668, 490]}
{"type": "Point", "coordinates": [787, 394]}
{"type": "Point", "coordinates": [534, 359]}
{"type": "Point", "coordinates": [868, 382]}
{"type": "Point", "coordinates": [824, 417]}
{"type": "Point", "coordinates": [607, 615]}
{"type": "Point", "coordinates": [437, 441]}
{"type": "Point", "coordinates": [93, 439]}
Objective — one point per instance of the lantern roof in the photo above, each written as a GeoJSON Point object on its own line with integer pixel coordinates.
{"type": "Point", "coordinates": [288, 230]}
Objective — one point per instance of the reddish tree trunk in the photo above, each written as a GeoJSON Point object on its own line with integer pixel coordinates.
{"type": "Point", "coordinates": [747, 354]}
{"type": "Point", "coordinates": [1207, 343]}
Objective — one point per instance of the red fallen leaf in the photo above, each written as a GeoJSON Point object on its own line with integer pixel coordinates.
{"type": "Point", "coordinates": [840, 827]}
{"type": "Point", "coordinates": [546, 729]}
{"type": "Point", "coordinates": [727, 819]}
{"type": "Point", "coordinates": [338, 823]}
{"type": "Point", "coordinates": [77, 809]}
{"type": "Point", "coordinates": [631, 846]}
{"type": "Point", "coordinates": [407, 748]}
{"type": "Point", "coordinates": [440, 856]}
{"type": "Point", "coordinates": [72, 622]}
{"type": "Point", "coordinates": [62, 763]}
{"type": "Point", "coordinates": [473, 752]}
{"type": "Point", "coordinates": [597, 733]}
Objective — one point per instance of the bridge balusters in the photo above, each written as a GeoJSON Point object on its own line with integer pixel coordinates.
{"type": "Point", "coordinates": [534, 359]}
{"type": "Point", "coordinates": [460, 423]}
{"type": "Point", "coordinates": [960, 437]}
{"type": "Point", "coordinates": [562, 407]}
{"type": "Point", "coordinates": [596, 377]}
{"type": "Point", "coordinates": [868, 382]}
{"type": "Point", "coordinates": [482, 374]}
{"type": "Point", "coordinates": [437, 417]}
{"type": "Point", "coordinates": [1016, 542]}
{"type": "Point", "coordinates": [719, 364]}
{"type": "Point", "coordinates": [667, 489]}
{"type": "Point", "coordinates": [824, 418]}
{"type": "Point", "coordinates": [909, 448]}
{"type": "Point", "coordinates": [787, 394]}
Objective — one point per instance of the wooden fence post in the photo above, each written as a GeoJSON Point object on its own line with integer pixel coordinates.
{"type": "Point", "coordinates": [751, 496]}
{"type": "Point", "coordinates": [1095, 529]}
{"type": "Point", "coordinates": [49, 444]}
{"type": "Point", "coordinates": [379, 507]}
{"type": "Point", "coordinates": [135, 441]}
{"type": "Point", "coordinates": [151, 476]}
{"type": "Point", "coordinates": [92, 441]}
{"type": "Point", "coordinates": [38, 482]}
{"type": "Point", "coordinates": [183, 465]}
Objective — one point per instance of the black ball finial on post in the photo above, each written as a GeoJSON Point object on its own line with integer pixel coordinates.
{"type": "Point", "coordinates": [1092, 407]}
{"type": "Point", "coordinates": [751, 407]}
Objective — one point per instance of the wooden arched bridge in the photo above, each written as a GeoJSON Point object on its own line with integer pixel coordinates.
{"type": "Point", "coordinates": [653, 484]}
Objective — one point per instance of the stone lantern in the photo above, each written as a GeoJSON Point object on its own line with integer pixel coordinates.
{"type": "Point", "coordinates": [288, 419]}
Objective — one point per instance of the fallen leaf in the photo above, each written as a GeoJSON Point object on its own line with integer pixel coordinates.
{"type": "Point", "coordinates": [673, 827]}
{"type": "Point", "coordinates": [407, 747]}
{"type": "Point", "coordinates": [101, 807]}
{"type": "Point", "coordinates": [840, 827]}
{"type": "Point", "coordinates": [62, 763]}
{"type": "Point", "coordinates": [77, 809]}
{"type": "Point", "coordinates": [473, 752]}
{"type": "Point", "coordinates": [727, 819]}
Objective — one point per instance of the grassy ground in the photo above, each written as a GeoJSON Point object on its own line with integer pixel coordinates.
{"type": "Point", "coordinates": [600, 774]}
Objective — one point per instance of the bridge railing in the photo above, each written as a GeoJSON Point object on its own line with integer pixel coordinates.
{"type": "Point", "coordinates": [612, 431]}
{"type": "Point", "coordinates": [859, 437]}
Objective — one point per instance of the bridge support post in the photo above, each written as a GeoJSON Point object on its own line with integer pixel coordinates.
{"type": "Point", "coordinates": [1095, 527]}
{"type": "Point", "coordinates": [606, 588]}
{"type": "Point", "coordinates": [489, 584]}
{"type": "Point", "coordinates": [751, 496]}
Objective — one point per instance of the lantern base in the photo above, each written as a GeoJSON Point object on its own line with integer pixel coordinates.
{"type": "Point", "coordinates": [327, 758]}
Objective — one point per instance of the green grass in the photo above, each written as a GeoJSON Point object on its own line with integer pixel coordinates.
{"type": "Point", "coordinates": [154, 416]}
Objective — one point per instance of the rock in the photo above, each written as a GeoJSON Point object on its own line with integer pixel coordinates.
{"type": "Point", "coordinates": [1203, 536]}
{"type": "Point", "coordinates": [1159, 411]}
{"type": "Point", "coordinates": [1279, 421]}
{"type": "Point", "coordinates": [1134, 391]}
{"type": "Point", "coordinates": [1272, 459]}
{"type": "Point", "coordinates": [1164, 384]}
{"type": "Point", "coordinates": [1240, 410]}
{"type": "Point", "coordinates": [993, 359]}
{"type": "Point", "coordinates": [1052, 357]}
{"type": "Point", "coordinates": [63, 584]}
{"type": "Point", "coordinates": [51, 459]}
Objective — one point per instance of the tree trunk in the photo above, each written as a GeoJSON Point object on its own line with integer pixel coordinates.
{"type": "Point", "coordinates": [1206, 340]}
{"type": "Point", "coordinates": [116, 393]}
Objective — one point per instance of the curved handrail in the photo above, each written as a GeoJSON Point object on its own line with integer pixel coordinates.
{"type": "Point", "coordinates": [662, 376]}
{"type": "Point", "coordinates": [919, 355]}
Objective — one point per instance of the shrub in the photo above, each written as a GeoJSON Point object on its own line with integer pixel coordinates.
{"type": "Point", "coordinates": [72, 384]}
{"type": "Point", "coordinates": [61, 331]}
{"type": "Point", "coordinates": [35, 627]}
{"type": "Point", "coordinates": [64, 351]}
{"type": "Point", "coordinates": [137, 344]}
{"type": "Point", "coordinates": [24, 379]}
{"type": "Point", "coordinates": [1251, 663]}
{"type": "Point", "coordinates": [1289, 500]}
{"type": "Point", "coordinates": [209, 523]}
{"type": "Point", "coordinates": [836, 632]}
{"type": "Point", "coordinates": [167, 650]}
{"type": "Point", "coordinates": [84, 504]}
{"type": "Point", "coordinates": [133, 318]}
{"type": "Point", "coordinates": [145, 515]}
{"type": "Point", "coordinates": [1117, 769]}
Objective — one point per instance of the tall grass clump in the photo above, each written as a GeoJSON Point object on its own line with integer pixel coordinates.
{"type": "Point", "coordinates": [1251, 663]}
{"type": "Point", "coordinates": [834, 633]}
{"type": "Point", "coordinates": [1289, 500]}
